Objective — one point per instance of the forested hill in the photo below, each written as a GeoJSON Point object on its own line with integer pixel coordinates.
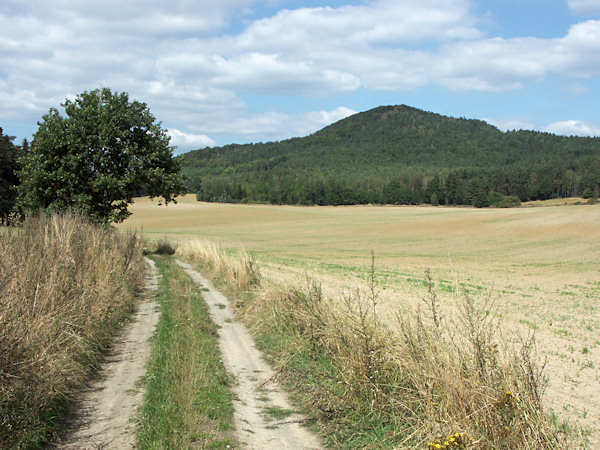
{"type": "Point", "coordinates": [402, 155]}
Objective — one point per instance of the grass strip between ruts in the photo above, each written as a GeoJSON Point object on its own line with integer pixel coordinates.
{"type": "Point", "coordinates": [188, 402]}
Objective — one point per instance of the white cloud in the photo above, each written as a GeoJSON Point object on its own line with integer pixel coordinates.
{"type": "Point", "coordinates": [275, 126]}
{"type": "Point", "coordinates": [492, 64]}
{"type": "Point", "coordinates": [323, 118]}
{"type": "Point", "coordinates": [585, 7]}
{"type": "Point", "coordinates": [313, 121]}
{"type": "Point", "coordinates": [575, 54]}
{"type": "Point", "coordinates": [573, 128]}
{"type": "Point", "coordinates": [170, 56]}
{"type": "Point", "coordinates": [563, 128]}
{"type": "Point", "coordinates": [376, 23]}
{"type": "Point", "coordinates": [182, 59]}
{"type": "Point", "coordinates": [369, 44]}
{"type": "Point", "coordinates": [511, 124]}
{"type": "Point", "coordinates": [498, 64]}
{"type": "Point", "coordinates": [188, 141]}
{"type": "Point", "coordinates": [271, 73]}
{"type": "Point", "coordinates": [152, 18]}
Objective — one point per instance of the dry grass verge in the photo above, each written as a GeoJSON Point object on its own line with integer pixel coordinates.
{"type": "Point", "coordinates": [239, 271]}
{"type": "Point", "coordinates": [442, 382]}
{"type": "Point", "coordinates": [65, 286]}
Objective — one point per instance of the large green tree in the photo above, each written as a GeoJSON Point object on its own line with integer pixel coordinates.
{"type": "Point", "coordinates": [8, 175]}
{"type": "Point", "coordinates": [94, 159]}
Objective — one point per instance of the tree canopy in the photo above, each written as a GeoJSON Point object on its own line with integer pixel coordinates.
{"type": "Point", "coordinates": [103, 152]}
{"type": "Point", "coordinates": [8, 175]}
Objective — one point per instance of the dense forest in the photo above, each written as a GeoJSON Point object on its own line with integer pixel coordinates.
{"type": "Point", "coordinates": [399, 155]}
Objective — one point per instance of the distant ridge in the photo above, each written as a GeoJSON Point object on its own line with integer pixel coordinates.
{"type": "Point", "coordinates": [397, 154]}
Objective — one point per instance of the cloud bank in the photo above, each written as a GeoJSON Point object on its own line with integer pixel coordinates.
{"type": "Point", "coordinates": [573, 128]}
{"type": "Point", "coordinates": [194, 62]}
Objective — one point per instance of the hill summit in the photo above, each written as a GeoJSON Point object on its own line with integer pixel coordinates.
{"type": "Point", "coordinates": [400, 155]}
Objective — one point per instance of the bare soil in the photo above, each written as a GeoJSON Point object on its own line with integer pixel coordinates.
{"type": "Point", "coordinates": [105, 415]}
{"type": "Point", "coordinates": [263, 416]}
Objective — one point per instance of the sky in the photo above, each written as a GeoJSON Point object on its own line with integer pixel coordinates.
{"type": "Point", "coordinates": [235, 71]}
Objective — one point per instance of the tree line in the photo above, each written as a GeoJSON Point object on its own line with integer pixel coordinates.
{"type": "Point", "coordinates": [500, 187]}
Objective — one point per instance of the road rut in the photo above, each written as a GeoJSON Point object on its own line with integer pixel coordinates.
{"type": "Point", "coordinates": [255, 389]}
{"type": "Point", "coordinates": [105, 415]}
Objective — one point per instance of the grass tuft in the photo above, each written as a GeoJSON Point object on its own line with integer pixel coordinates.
{"type": "Point", "coordinates": [240, 271]}
{"type": "Point", "coordinates": [164, 247]}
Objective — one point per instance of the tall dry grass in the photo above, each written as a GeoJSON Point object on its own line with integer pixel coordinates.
{"type": "Point", "coordinates": [240, 271]}
{"type": "Point", "coordinates": [446, 382]}
{"type": "Point", "coordinates": [65, 285]}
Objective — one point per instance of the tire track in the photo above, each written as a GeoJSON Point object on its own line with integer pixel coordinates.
{"type": "Point", "coordinates": [255, 391]}
{"type": "Point", "coordinates": [104, 416]}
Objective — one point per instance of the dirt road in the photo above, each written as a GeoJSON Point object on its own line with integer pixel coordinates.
{"type": "Point", "coordinates": [260, 404]}
{"type": "Point", "coordinates": [105, 415]}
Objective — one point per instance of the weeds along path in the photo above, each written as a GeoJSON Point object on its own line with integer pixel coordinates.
{"type": "Point", "coordinates": [104, 416]}
{"type": "Point", "coordinates": [263, 416]}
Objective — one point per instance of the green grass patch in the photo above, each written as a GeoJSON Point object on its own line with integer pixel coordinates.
{"type": "Point", "coordinates": [277, 413]}
{"type": "Point", "coordinates": [311, 374]}
{"type": "Point", "coordinates": [562, 332]}
{"type": "Point", "coordinates": [188, 402]}
{"type": "Point", "coordinates": [529, 323]}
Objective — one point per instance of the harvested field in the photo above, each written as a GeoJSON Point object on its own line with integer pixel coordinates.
{"type": "Point", "coordinates": [539, 263]}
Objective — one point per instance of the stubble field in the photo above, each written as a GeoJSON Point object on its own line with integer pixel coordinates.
{"type": "Point", "coordinates": [540, 266]}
